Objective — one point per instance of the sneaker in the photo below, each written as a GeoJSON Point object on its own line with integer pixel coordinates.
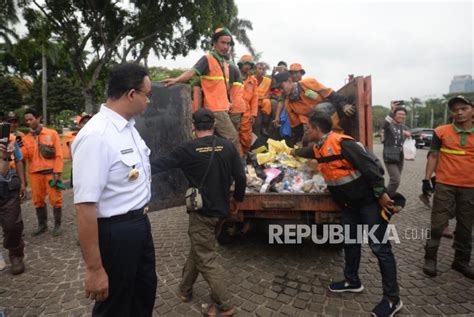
{"type": "Point", "coordinates": [344, 286]}
{"type": "Point", "coordinates": [387, 309]}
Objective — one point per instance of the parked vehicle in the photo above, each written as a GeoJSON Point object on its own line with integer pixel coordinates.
{"type": "Point", "coordinates": [422, 137]}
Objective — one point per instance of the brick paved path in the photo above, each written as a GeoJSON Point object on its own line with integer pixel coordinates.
{"type": "Point", "coordinates": [266, 280]}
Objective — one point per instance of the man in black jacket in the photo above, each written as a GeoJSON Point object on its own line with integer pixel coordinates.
{"type": "Point", "coordinates": [357, 185]}
{"type": "Point", "coordinates": [193, 158]}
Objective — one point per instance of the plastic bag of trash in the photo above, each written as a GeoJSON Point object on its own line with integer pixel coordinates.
{"type": "Point", "coordinates": [409, 149]}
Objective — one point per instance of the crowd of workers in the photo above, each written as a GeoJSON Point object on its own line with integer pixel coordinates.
{"type": "Point", "coordinates": [235, 103]}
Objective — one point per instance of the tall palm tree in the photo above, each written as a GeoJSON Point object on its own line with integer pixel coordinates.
{"type": "Point", "coordinates": [238, 28]}
{"type": "Point", "coordinates": [414, 101]}
{"type": "Point", "coordinates": [8, 16]}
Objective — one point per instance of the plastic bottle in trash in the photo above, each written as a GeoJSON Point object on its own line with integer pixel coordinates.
{"type": "Point", "coordinates": [286, 182]}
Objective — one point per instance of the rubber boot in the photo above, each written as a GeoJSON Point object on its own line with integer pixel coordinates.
{"type": "Point", "coordinates": [429, 268]}
{"type": "Point", "coordinates": [57, 221]}
{"type": "Point", "coordinates": [16, 256]}
{"type": "Point", "coordinates": [461, 264]}
{"type": "Point", "coordinates": [42, 215]}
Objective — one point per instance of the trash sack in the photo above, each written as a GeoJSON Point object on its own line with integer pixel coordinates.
{"type": "Point", "coordinates": [409, 149]}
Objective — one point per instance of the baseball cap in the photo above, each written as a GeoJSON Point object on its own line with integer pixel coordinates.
{"type": "Point", "coordinates": [203, 115]}
{"type": "Point", "coordinates": [246, 59]}
{"type": "Point", "coordinates": [458, 99]}
{"type": "Point", "coordinates": [296, 67]}
{"type": "Point", "coordinates": [221, 32]}
{"type": "Point", "coordinates": [280, 78]}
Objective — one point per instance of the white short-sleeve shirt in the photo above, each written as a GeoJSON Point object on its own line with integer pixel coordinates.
{"type": "Point", "coordinates": [104, 152]}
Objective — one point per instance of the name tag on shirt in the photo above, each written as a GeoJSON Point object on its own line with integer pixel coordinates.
{"type": "Point", "coordinates": [126, 151]}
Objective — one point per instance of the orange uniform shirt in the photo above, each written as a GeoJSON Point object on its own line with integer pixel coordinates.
{"type": "Point", "coordinates": [251, 96]}
{"type": "Point", "coordinates": [298, 109]}
{"type": "Point", "coordinates": [263, 92]}
{"type": "Point", "coordinates": [456, 155]}
{"type": "Point", "coordinates": [30, 151]}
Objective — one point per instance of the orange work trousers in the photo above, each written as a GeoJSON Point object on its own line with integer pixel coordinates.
{"type": "Point", "coordinates": [245, 133]}
{"type": "Point", "coordinates": [40, 188]}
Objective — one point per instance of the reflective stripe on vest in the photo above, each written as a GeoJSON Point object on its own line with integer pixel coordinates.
{"type": "Point", "coordinates": [450, 151]}
{"type": "Point", "coordinates": [215, 85]}
{"type": "Point", "coordinates": [344, 180]}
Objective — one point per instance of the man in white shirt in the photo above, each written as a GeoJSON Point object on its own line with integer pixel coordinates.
{"type": "Point", "coordinates": [112, 179]}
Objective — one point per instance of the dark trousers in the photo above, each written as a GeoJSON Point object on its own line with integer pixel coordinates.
{"type": "Point", "coordinates": [370, 215]}
{"type": "Point", "coordinates": [394, 171]}
{"type": "Point", "coordinates": [128, 257]}
{"type": "Point", "coordinates": [11, 222]}
{"type": "Point", "coordinates": [452, 201]}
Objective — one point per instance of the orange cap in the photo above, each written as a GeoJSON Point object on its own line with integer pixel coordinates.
{"type": "Point", "coordinates": [295, 67]}
{"type": "Point", "coordinates": [246, 59]}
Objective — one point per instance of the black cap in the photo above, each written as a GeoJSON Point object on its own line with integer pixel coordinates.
{"type": "Point", "coordinates": [280, 78]}
{"type": "Point", "coordinates": [458, 99]}
{"type": "Point", "coordinates": [203, 115]}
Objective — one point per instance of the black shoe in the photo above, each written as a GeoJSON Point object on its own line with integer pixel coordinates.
{"type": "Point", "coordinates": [430, 267]}
{"type": "Point", "coordinates": [387, 309]}
{"type": "Point", "coordinates": [344, 286]}
{"type": "Point", "coordinates": [18, 266]}
{"type": "Point", "coordinates": [465, 270]}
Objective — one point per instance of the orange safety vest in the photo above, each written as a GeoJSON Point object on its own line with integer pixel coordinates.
{"type": "Point", "coordinates": [456, 157]}
{"type": "Point", "coordinates": [251, 96]}
{"type": "Point", "coordinates": [214, 86]}
{"type": "Point", "coordinates": [298, 110]}
{"type": "Point", "coordinates": [264, 91]}
{"type": "Point", "coordinates": [335, 169]}
{"type": "Point", "coordinates": [237, 97]}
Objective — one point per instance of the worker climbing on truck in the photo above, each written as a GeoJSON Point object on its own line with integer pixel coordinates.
{"type": "Point", "coordinates": [301, 98]}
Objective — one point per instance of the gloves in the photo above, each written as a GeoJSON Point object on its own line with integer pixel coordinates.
{"type": "Point", "coordinates": [311, 94]}
{"type": "Point", "coordinates": [427, 189]}
{"type": "Point", "coordinates": [349, 110]}
{"type": "Point", "coordinates": [57, 184]}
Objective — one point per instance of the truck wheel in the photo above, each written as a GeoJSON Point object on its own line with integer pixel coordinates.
{"type": "Point", "coordinates": [223, 235]}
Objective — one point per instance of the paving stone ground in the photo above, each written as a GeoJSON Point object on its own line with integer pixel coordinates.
{"type": "Point", "coordinates": [265, 280]}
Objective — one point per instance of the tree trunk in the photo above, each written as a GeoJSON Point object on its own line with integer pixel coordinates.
{"type": "Point", "coordinates": [88, 100]}
{"type": "Point", "coordinates": [445, 114]}
{"type": "Point", "coordinates": [432, 118]}
{"type": "Point", "coordinates": [44, 84]}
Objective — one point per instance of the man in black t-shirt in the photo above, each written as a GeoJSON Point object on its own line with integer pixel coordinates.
{"type": "Point", "coordinates": [193, 158]}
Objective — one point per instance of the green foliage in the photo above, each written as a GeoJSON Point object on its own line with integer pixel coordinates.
{"type": "Point", "coordinates": [10, 96]}
{"type": "Point", "coordinates": [118, 33]}
{"type": "Point", "coordinates": [378, 116]}
{"type": "Point", "coordinates": [63, 94]}
{"type": "Point", "coordinates": [65, 118]}
{"type": "Point", "coordinates": [160, 73]}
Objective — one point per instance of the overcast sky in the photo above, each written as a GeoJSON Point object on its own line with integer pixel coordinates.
{"type": "Point", "coordinates": [411, 49]}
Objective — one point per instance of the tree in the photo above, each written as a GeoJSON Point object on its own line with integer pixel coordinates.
{"type": "Point", "coordinates": [10, 98]}
{"type": "Point", "coordinates": [8, 15]}
{"type": "Point", "coordinates": [238, 28]}
{"type": "Point", "coordinates": [116, 33]}
{"type": "Point", "coordinates": [378, 117]}
{"type": "Point", "coordinates": [412, 104]}
{"type": "Point", "coordinates": [64, 94]}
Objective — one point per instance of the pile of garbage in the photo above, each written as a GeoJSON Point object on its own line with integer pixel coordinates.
{"type": "Point", "coordinates": [272, 168]}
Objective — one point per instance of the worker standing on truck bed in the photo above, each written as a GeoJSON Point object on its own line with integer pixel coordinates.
{"type": "Point", "coordinates": [213, 70]}
{"type": "Point", "coordinates": [357, 185]}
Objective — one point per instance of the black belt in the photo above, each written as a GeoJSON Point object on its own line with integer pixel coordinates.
{"type": "Point", "coordinates": [132, 214]}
